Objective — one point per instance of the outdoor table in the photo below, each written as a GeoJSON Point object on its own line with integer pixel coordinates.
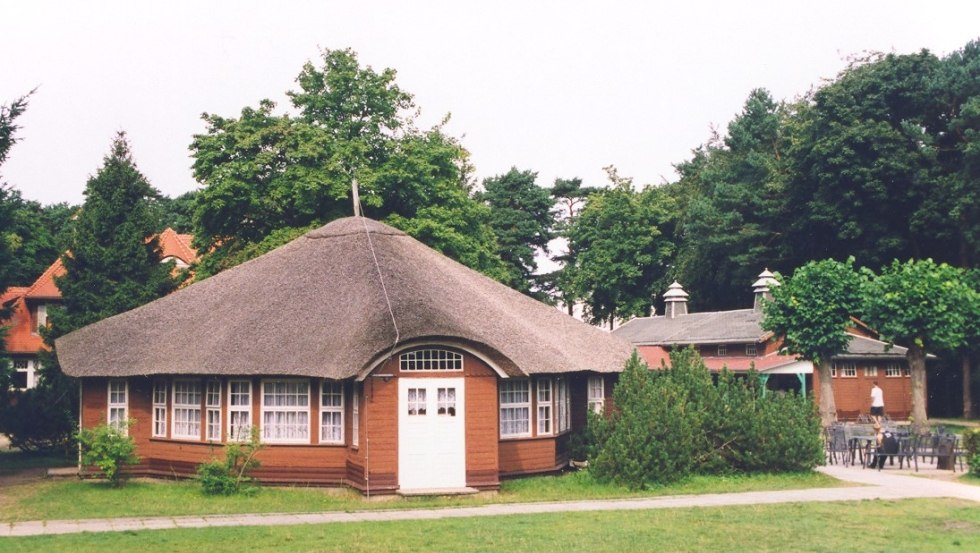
{"type": "Point", "coordinates": [859, 437]}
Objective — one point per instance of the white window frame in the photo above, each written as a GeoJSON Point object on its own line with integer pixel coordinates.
{"type": "Point", "coordinates": [515, 408]}
{"type": "Point", "coordinates": [189, 408]}
{"type": "Point", "coordinates": [27, 369]}
{"type": "Point", "coordinates": [446, 405]}
{"type": "Point", "coordinates": [430, 359]}
{"type": "Point", "coordinates": [332, 407]}
{"type": "Point", "coordinates": [212, 403]}
{"type": "Point", "coordinates": [42, 318]}
{"type": "Point", "coordinates": [751, 350]}
{"type": "Point", "coordinates": [117, 401]}
{"type": "Point", "coordinates": [846, 369]}
{"type": "Point", "coordinates": [833, 370]}
{"type": "Point", "coordinates": [273, 433]}
{"type": "Point", "coordinates": [722, 350]}
{"type": "Point", "coordinates": [545, 398]}
{"type": "Point", "coordinates": [893, 370]}
{"type": "Point", "coordinates": [871, 371]}
{"type": "Point", "coordinates": [563, 401]}
{"type": "Point", "coordinates": [159, 409]}
{"type": "Point", "coordinates": [355, 413]}
{"type": "Point", "coordinates": [239, 431]}
{"type": "Point", "coordinates": [596, 393]}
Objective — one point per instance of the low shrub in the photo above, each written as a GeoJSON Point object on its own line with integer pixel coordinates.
{"type": "Point", "coordinates": [971, 444]}
{"type": "Point", "coordinates": [679, 420]}
{"type": "Point", "coordinates": [40, 420]}
{"type": "Point", "coordinates": [231, 476]}
{"type": "Point", "coordinates": [109, 448]}
{"type": "Point", "coordinates": [650, 437]}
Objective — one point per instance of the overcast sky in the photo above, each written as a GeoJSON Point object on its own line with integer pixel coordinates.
{"type": "Point", "coordinates": [562, 88]}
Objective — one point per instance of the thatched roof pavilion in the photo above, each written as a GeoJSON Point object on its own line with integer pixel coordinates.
{"type": "Point", "coordinates": [316, 307]}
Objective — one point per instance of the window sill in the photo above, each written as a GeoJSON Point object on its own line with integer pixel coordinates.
{"type": "Point", "coordinates": [531, 438]}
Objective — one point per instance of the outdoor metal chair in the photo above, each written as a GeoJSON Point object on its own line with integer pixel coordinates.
{"type": "Point", "coordinates": [837, 445]}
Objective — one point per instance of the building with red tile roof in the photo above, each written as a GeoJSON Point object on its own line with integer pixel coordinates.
{"type": "Point", "coordinates": [29, 306]}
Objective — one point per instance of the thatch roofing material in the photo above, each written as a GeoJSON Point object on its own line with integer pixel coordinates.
{"type": "Point", "coordinates": [315, 307]}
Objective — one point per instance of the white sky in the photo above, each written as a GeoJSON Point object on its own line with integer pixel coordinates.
{"type": "Point", "coordinates": [562, 88]}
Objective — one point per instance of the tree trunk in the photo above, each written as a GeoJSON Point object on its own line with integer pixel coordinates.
{"type": "Point", "coordinates": [967, 395]}
{"type": "Point", "coordinates": [917, 366]}
{"type": "Point", "coordinates": [828, 407]}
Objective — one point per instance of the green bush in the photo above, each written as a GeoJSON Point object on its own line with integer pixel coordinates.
{"type": "Point", "coordinates": [678, 420]}
{"type": "Point", "coordinates": [971, 443]}
{"type": "Point", "coordinates": [109, 448]}
{"type": "Point", "coordinates": [650, 437]}
{"type": "Point", "coordinates": [231, 476]}
{"type": "Point", "coordinates": [40, 420]}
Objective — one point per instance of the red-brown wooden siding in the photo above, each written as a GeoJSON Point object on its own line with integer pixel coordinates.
{"type": "Point", "coordinates": [487, 456]}
{"type": "Point", "coordinates": [852, 395]}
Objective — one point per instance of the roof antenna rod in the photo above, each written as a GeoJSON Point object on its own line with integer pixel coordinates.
{"type": "Point", "coordinates": [355, 197]}
{"type": "Point", "coordinates": [377, 266]}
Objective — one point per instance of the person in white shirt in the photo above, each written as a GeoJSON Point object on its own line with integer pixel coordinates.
{"type": "Point", "coordinates": [877, 403]}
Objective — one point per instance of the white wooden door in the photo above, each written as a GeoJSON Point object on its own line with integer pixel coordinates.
{"type": "Point", "coordinates": [431, 433]}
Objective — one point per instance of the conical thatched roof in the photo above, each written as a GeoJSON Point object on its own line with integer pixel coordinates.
{"type": "Point", "coordinates": [315, 307]}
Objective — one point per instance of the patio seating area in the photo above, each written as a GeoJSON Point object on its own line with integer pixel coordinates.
{"type": "Point", "coordinates": [898, 446]}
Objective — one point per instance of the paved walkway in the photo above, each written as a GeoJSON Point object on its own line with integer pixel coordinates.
{"type": "Point", "coordinates": [878, 485]}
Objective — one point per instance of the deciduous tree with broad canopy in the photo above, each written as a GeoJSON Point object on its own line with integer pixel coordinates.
{"type": "Point", "coordinates": [268, 177]}
{"type": "Point", "coordinates": [926, 307]}
{"type": "Point", "coordinates": [810, 312]}
{"type": "Point", "coordinates": [622, 244]}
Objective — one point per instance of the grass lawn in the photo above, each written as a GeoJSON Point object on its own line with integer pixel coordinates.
{"type": "Point", "coordinates": [73, 499]}
{"type": "Point", "coordinates": [866, 526]}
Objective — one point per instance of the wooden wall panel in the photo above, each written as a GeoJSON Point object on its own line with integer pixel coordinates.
{"type": "Point", "coordinates": [528, 456]}
{"type": "Point", "coordinates": [853, 395]}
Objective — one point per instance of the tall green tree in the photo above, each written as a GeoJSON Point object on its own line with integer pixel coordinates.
{"type": "Point", "coordinates": [176, 213]}
{"type": "Point", "coordinates": [926, 307]}
{"type": "Point", "coordinates": [621, 250]}
{"type": "Point", "coordinates": [9, 240]}
{"type": "Point", "coordinates": [569, 198]}
{"type": "Point", "coordinates": [865, 164]}
{"type": "Point", "coordinates": [114, 259]}
{"type": "Point", "coordinates": [952, 213]}
{"type": "Point", "coordinates": [265, 173]}
{"type": "Point", "coordinates": [521, 218]}
{"type": "Point", "coordinates": [41, 233]}
{"type": "Point", "coordinates": [113, 264]}
{"type": "Point", "coordinates": [733, 223]}
{"type": "Point", "coordinates": [810, 313]}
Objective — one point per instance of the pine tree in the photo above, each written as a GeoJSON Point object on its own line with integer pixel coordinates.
{"type": "Point", "coordinates": [113, 264]}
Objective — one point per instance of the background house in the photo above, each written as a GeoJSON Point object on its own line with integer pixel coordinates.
{"type": "Point", "coordinates": [735, 339]}
{"type": "Point", "coordinates": [363, 357]}
{"type": "Point", "coordinates": [29, 307]}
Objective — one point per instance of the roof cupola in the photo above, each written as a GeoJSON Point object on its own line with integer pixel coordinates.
{"type": "Point", "coordinates": [676, 300]}
{"type": "Point", "coordinates": [763, 288]}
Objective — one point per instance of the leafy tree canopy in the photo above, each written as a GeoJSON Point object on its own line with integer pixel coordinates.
{"type": "Point", "coordinates": [621, 250]}
{"type": "Point", "coordinates": [927, 307]}
{"type": "Point", "coordinates": [922, 303]}
{"type": "Point", "coordinates": [734, 212]}
{"type": "Point", "coordinates": [266, 172]}
{"type": "Point", "coordinates": [812, 309]}
{"type": "Point", "coordinates": [521, 218]}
